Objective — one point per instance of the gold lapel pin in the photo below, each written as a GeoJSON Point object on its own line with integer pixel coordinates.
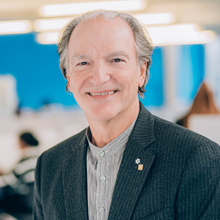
{"type": "Point", "coordinates": [140, 167]}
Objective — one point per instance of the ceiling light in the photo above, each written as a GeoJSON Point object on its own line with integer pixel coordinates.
{"type": "Point", "coordinates": [15, 27]}
{"type": "Point", "coordinates": [155, 19]}
{"type": "Point", "coordinates": [179, 35]}
{"type": "Point", "coordinates": [146, 19]}
{"type": "Point", "coordinates": [161, 36]}
{"type": "Point", "coordinates": [48, 37]}
{"type": "Point", "coordinates": [77, 8]}
{"type": "Point", "coordinates": [172, 30]}
{"type": "Point", "coordinates": [50, 24]}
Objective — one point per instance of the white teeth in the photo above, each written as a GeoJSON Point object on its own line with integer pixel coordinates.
{"type": "Point", "coordinates": [104, 93]}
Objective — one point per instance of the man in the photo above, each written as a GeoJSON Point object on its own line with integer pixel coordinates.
{"type": "Point", "coordinates": [128, 164]}
{"type": "Point", "coordinates": [18, 185]}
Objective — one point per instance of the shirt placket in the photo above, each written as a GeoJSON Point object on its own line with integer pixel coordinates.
{"type": "Point", "coordinates": [101, 188]}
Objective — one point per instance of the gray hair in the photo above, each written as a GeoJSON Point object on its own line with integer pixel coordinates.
{"type": "Point", "coordinates": [143, 44]}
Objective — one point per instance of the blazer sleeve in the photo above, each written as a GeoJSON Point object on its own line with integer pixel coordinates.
{"type": "Point", "coordinates": [199, 192]}
{"type": "Point", "coordinates": [37, 207]}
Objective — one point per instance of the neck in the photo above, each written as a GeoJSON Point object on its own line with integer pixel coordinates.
{"type": "Point", "coordinates": [103, 132]}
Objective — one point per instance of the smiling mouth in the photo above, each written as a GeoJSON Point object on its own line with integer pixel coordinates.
{"type": "Point", "coordinates": [103, 93]}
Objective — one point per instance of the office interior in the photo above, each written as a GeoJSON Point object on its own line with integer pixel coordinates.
{"type": "Point", "coordinates": [186, 36]}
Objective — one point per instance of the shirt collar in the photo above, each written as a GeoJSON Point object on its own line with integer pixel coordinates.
{"type": "Point", "coordinates": [114, 146]}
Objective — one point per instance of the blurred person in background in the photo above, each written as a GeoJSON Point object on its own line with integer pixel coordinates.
{"type": "Point", "coordinates": [128, 164]}
{"type": "Point", "coordinates": [17, 186]}
{"type": "Point", "coordinates": [203, 103]}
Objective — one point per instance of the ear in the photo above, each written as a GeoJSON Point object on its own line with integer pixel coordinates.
{"type": "Point", "coordinates": [68, 78]}
{"type": "Point", "coordinates": [142, 74]}
{"type": "Point", "coordinates": [68, 82]}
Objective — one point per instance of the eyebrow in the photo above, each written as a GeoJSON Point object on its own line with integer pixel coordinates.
{"type": "Point", "coordinates": [81, 56]}
{"type": "Point", "coordinates": [121, 53]}
{"type": "Point", "coordinates": [78, 56]}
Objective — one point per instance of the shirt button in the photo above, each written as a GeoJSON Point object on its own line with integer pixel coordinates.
{"type": "Point", "coordinates": [102, 153]}
{"type": "Point", "coordinates": [101, 210]}
{"type": "Point", "coordinates": [102, 178]}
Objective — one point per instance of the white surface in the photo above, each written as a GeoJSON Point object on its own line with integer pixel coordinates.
{"type": "Point", "coordinates": [8, 95]}
{"type": "Point", "coordinates": [48, 129]}
{"type": "Point", "coordinates": [207, 125]}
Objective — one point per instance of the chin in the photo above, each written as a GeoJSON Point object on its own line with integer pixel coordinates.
{"type": "Point", "coordinates": [102, 114]}
{"type": "Point", "coordinates": [105, 118]}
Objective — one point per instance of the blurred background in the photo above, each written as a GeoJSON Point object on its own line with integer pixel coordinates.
{"type": "Point", "coordinates": [35, 109]}
{"type": "Point", "coordinates": [32, 88]}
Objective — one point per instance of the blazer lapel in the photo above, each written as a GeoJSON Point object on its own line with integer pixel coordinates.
{"type": "Point", "coordinates": [75, 182]}
{"type": "Point", "coordinates": [130, 179]}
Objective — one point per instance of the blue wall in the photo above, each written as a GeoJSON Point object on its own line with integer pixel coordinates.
{"type": "Point", "coordinates": [154, 89]}
{"type": "Point", "coordinates": [36, 69]}
{"type": "Point", "coordinates": [190, 72]}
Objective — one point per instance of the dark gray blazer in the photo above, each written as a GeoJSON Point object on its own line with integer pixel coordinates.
{"type": "Point", "coordinates": [180, 177]}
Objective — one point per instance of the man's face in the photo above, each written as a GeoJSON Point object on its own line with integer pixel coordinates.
{"type": "Point", "coordinates": [103, 73]}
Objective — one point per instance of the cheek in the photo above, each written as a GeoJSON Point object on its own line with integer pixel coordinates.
{"type": "Point", "coordinates": [71, 81]}
{"type": "Point", "coordinates": [75, 82]}
{"type": "Point", "coordinates": [130, 81]}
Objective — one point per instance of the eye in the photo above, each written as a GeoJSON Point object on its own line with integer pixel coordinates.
{"type": "Point", "coordinates": [82, 63]}
{"type": "Point", "coordinates": [117, 60]}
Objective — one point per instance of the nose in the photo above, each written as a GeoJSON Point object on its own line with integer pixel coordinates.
{"type": "Point", "coordinates": [100, 74]}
